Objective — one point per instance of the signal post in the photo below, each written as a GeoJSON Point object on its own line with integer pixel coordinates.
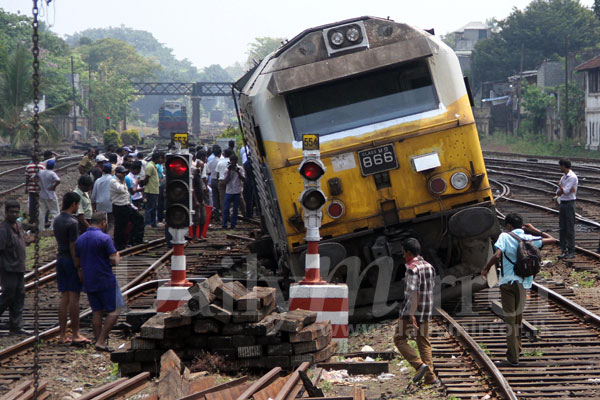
{"type": "Point", "coordinates": [178, 217]}
{"type": "Point", "coordinates": [313, 293]}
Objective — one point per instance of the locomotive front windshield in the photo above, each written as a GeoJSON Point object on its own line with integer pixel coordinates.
{"type": "Point", "coordinates": [357, 101]}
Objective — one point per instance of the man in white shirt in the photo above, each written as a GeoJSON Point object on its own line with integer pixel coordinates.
{"type": "Point", "coordinates": [211, 167]}
{"type": "Point", "coordinates": [101, 194]}
{"type": "Point", "coordinates": [48, 201]}
{"type": "Point", "coordinates": [567, 194]}
{"type": "Point", "coordinates": [220, 176]}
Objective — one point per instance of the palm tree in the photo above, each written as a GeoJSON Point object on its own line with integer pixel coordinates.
{"type": "Point", "coordinates": [16, 97]}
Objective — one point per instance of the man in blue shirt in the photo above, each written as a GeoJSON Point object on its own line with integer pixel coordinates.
{"type": "Point", "coordinates": [97, 255]}
{"type": "Point", "coordinates": [512, 286]}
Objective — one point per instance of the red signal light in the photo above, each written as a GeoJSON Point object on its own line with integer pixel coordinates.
{"type": "Point", "coordinates": [177, 167]}
{"type": "Point", "coordinates": [437, 185]}
{"type": "Point", "coordinates": [311, 171]}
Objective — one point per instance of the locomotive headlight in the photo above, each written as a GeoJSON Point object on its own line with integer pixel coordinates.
{"type": "Point", "coordinates": [337, 38]}
{"type": "Point", "coordinates": [437, 185]}
{"type": "Point", "coordinates": [459, 180]}
{"type": "Point", "coordinates": [353, 34]}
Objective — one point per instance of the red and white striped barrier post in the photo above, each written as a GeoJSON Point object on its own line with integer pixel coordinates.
{"type": "Point", "coordinates": [329, 301]}
{"type": "Point", "coordinates": [175, 293]}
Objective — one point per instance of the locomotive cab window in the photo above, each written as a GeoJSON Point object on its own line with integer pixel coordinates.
{"type": "Point", "coordinates": [357, 101]}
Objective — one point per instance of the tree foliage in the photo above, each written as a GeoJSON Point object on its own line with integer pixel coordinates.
{"type": "Point", "coordinates": [130, 136]}
{"type": "Point", "coordinates": [111, 137]}
{"type": "Point", "coordinates": [540, 30]}
{"type": "Point", "coordinates": [576, 116]}
{"type": "Point", "coordinates": [16, 96]}
{"type": "Point", "coordinates": [536, 102]}
{"type": "Point", "coordinates": [260, 48]}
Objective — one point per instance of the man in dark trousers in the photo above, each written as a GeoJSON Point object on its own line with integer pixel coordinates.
{"type": "Point", "coordinates": [97, 255]}
{"type": "Point", "coordinates": [124, 212]}
{"type": "Point", "coordinates": [12, 267]}
{"type": "Point", "coordinates": [512, 286]}
{"type": "Point", "coordinates": [66, 231]}
{"type": "Point", "coordinates": [567, 194]}
{"type": "Point", "coordinates": [416, 311]}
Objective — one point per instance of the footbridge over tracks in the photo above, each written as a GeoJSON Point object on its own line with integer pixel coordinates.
{"type": "Point", "coordinates": [195, 90]}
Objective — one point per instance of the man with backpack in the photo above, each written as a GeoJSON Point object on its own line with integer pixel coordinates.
{"type": "Point", "coordinates": [519, 257]}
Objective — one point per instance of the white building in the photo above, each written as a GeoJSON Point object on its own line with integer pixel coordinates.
{"type": "Point", "coordinates": [592, 102]}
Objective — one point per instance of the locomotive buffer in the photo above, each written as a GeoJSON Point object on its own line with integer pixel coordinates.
{"type": "Point", "coordinates": [313, 293]}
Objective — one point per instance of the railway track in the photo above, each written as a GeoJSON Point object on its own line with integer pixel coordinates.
{"type": "Point", "coordinates": [560, 358]}
{"type": "Point", "coordinates": [141, 271]}
{"type": "Point", "coordinates": [13, 179]}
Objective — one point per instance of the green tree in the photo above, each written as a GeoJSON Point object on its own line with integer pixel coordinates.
{"type": "Point", "coordinates": [114, 65]}
{"type": "Point", "coordinates": [16, 97]}
{"type": "Point", "coordinates": [540, 30]}
{"type": "Point", "coordinates": [576, 116]}
{"type": "Point", "coordinates": [536, 103]}
{"type": "Point", "coordinates": [597, 8]}
{"type": "Point", "coordinates": [260, 48]}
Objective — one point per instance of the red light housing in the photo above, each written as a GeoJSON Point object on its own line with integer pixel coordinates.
{"type": "Point", "coordinates": [437, 185]}
{"type": "Point", "coordinates": [336, 209]}
{"type": "Point", "coordinates": [177, 167]}
{"type": "Point", "coordinates": [311, 171]}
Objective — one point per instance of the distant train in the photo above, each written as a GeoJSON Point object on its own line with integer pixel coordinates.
{"type": "Point", "coordinates": [398, 140]}
{"type": "Point", "coordinates": [172, 117]}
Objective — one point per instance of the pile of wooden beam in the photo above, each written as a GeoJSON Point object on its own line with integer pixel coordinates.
{"type": "Point", "coordinates": [25, 391]}
{"type": "Point", "coordinates": [233, 322]}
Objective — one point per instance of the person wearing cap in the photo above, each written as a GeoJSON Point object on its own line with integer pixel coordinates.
{"type": "Point", "coordinates": [48, 200]}
{"type": "Point", "coordinates": [86, 164]}
{"type": "Point", "coordinates": [101, 193]}
{"type": "Point", "coordinates": [124, 212]}
{"type": "Point", "coordinates": [97, 170]}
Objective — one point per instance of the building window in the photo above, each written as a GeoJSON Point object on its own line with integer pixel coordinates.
{"type": "Point", "coordinates": [594, 81]}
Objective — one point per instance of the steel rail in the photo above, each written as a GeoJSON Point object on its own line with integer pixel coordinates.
{"type": "Point", "coordinates": [5, 192]}
{"type": "Point", "coordinates": [127, 290]}
{"type": "Point", "coordinates": [130, 251]}
{"type": "Point", "coordinates": [574, 308]}
{"type": "Point", "coordinates": [480, 354]}
{"type": "Point", "coordinates": [549, 158]}
{"type": "Point", "coordinates": [28, 159]}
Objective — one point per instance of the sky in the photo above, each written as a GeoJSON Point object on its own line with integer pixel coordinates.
{"type": "Point", "coordinates": [219, 31]}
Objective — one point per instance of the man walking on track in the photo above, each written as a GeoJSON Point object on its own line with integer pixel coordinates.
{"type": "Point", "coordinates": [97, 256]}
{"type": "Point", "coordinates": [512, 286]}
{"type": "Point", "coordinates": [66, 231]}
{"type": "Point", "coordinates": [416, 311]}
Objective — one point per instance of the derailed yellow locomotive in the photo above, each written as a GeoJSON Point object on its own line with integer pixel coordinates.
{"type": "Point", "coordinates": [398, 139]}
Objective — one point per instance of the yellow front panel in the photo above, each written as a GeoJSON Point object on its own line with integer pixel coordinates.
{"type": "Point", "coordinates": [456, 147]}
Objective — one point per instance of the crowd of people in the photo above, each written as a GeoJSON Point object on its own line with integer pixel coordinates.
{"type": "Point", "coordinates": [118, 193]}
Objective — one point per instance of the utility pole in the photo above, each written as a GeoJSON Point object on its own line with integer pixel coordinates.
{"type": "Point", "coordinates": [519, 91]}
{"type": "Point", "coordinates": [90, 107]}
{"type": "Point", "coordinates": [74, 98]}
{"type": "Point", "coordinates": [566, 121]}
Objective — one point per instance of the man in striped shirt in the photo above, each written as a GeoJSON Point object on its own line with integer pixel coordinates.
{"type": "Point", "coordinates": [416, 311]}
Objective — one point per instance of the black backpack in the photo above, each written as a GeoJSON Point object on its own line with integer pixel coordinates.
{"type": "Point", "coordinates": [529, 258]}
